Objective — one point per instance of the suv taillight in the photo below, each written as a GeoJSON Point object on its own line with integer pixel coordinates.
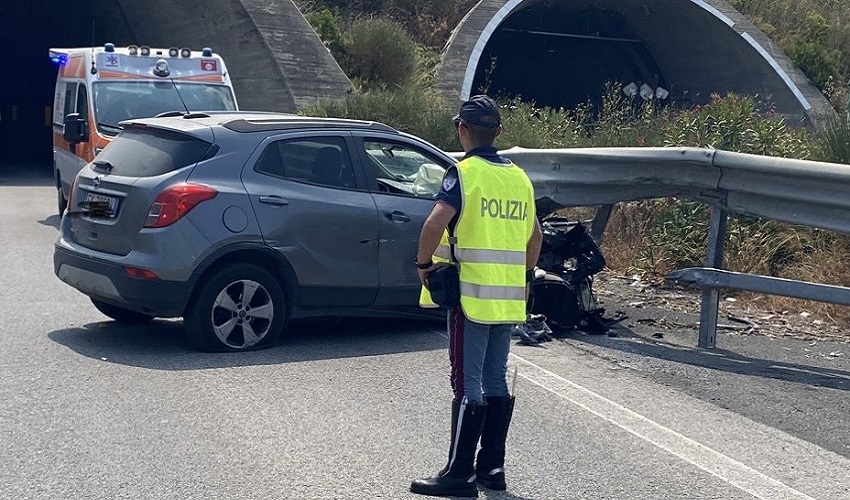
{"type": "Point", "coordinates": [175, 202]}
{"type": "Point", "coordinates": [71, 196]}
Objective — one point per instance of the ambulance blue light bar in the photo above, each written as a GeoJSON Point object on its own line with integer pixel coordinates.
{"type": "Point", "coordinates": [59, 59]}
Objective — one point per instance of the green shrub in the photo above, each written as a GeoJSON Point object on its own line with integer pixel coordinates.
{"type": "Point", "coordinates": [814, 33]}
{"type": "Point", "coordinates": [734, 123]}
{"type": "Point", "coordinates": [815, 60]}
{"type": "Point", "coordinates": [619, 123]}
{"type": "Point", "coordinates": [328, 25]}
{"type": "Point", "coordinates": [833, 143]}
{"type": "Point", "coordinates": [527, 126]}
{"type": "Point", "coordinates": [679, 233]}
{"type": "Point", "coordinates": [409, 108]}
{"type": "Point", "coordinates": [380, 51]}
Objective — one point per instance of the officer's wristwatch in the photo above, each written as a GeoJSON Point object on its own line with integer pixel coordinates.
{"type": "Point", "coordinates": [424, 265]}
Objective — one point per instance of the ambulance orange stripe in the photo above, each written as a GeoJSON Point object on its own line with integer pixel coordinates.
{"type": "Point", "coordinates": [120, 75]}
{"type": "Point", "coordinates": [74, 68]}
{"type": "Point", "coordinates": [204, 78]}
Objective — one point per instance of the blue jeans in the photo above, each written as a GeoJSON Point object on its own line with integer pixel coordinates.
{"type": "Point", "coordinates": [479, 357]}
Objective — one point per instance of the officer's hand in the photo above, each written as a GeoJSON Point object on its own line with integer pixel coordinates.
{"type": "Point", "coordinates": [423, 273]}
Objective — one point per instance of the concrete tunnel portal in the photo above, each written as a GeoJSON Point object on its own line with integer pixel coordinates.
{"type": "Point", "coordinates": [562, 58]}
{"type": "Point", "coordinates": [561, 53]}
{"type": "Point", "coordinates": [556, 52]}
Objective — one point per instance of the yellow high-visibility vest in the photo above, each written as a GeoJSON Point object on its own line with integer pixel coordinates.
{"type": "Point", "coordinates": [495, 223]}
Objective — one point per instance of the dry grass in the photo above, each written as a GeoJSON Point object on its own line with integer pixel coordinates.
{"type": "Point", "coordinates": [766, 247]}
{"type": "Point", "coordinates": [626, 233]}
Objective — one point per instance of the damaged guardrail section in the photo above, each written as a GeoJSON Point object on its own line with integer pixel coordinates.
{"type": "Point", "coordinates": [797, 191]}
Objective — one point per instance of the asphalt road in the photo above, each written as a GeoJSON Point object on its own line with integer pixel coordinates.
{"type": "Point", "coordinates": [356, 409]}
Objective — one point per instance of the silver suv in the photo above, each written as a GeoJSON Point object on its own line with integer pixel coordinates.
{"type": "Point", "coordinates": [238, 222]}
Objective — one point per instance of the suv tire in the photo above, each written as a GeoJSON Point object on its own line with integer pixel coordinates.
{"type": "Point", "coordinates": [61, 200]}
{"type": "Point", "coordinates": [219, 318]}
{"type": "Point", "coordinates": [121, 314]}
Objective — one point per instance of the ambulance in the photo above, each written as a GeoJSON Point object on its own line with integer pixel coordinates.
{"type": "Point", "coordinates": [99, 87]}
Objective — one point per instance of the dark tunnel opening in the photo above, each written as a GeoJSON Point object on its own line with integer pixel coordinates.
{"type": "Point", "coordinates": [28, 30]}
{"type": "Point", "coordinates": [563, 59]}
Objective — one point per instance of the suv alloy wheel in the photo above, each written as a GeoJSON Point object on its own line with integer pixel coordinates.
{"type": "Point", "coordinates": [238, 308]}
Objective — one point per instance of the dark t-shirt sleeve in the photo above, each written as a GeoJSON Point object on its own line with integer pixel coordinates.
{"type": "Point", "coordinates": [450, 190]}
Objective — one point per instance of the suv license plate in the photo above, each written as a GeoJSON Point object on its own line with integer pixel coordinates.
{"type": "Point", "coordinates": [99, 205]}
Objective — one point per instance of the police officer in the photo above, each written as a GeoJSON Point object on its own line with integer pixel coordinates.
{"type": "Point", "coordinates": [484, 216]}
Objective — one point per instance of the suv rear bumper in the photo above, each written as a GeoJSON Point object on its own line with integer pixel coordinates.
{"type": "Point", "coordinates": [107, 281]}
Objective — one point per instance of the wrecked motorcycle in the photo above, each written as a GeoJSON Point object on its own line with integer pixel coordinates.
{"type": "Point", "coordinates": [561, 296]}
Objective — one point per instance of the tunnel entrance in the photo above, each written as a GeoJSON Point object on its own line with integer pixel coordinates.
{"type": "Point", "coordinates": [558, 57]}
{"type": "Point", "coordinates": [27, 31]}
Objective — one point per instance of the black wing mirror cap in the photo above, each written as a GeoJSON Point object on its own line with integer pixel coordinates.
{"type": "Point", "coordinates": [75, 128]}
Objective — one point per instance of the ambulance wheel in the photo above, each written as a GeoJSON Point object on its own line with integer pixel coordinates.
{"type": "Point", "coordinates": [240, 307]}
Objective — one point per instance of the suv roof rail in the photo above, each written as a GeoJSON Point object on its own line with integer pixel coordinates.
{"type": "Point", "coordinates": [283, 122]}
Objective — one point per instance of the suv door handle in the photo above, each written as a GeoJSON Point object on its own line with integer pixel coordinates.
{"type": "Point", "coordinates": [273, 200]}
{"type": "Point", "coordinates": [397, 216]}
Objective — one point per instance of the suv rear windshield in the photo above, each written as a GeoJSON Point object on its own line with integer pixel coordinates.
{"type": "Point", "coordinates": [148, 152]}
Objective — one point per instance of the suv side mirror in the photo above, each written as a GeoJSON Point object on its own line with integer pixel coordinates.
{"type": "Point", "coordinates": [75, 128]}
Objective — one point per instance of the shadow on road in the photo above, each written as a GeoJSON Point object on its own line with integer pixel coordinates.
{"type": "Point", "coordinates": [52, 221]}
{"type": "Point", "coordinates": [26, 175]}
{"type": "Point", "coordinates": [162, 345]}
{"type": "Point", "coordinates": [722, 360]}
{"type": "Point", "coordinates": [501, 495]}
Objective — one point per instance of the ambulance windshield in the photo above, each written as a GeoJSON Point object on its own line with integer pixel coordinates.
{"type": "Point", "coordinates": [118, 101]}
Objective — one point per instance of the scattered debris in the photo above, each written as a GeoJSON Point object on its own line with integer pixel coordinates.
{"type": "Point", "coordinates": [723, 326]}
{"type": "Point", "coordinates": [742, 316]}
{"type": "Point", "coordinates": [741, 320]}
{"type": "Point", "coordinates": [533, 331]}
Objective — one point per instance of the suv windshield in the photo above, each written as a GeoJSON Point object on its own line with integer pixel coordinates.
{"type": "Point", "coordinates": [117, 101]}
{"type": "Point", "coordinates": [147, 152]}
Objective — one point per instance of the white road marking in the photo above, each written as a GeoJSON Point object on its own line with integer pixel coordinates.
{"type": "Point", "coordinates": [723, 467]}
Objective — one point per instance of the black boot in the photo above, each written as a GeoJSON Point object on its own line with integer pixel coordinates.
{"type": "Point", "coordinates": [457, 478]}
{"type": "Point", "coordinates": [490, 466]}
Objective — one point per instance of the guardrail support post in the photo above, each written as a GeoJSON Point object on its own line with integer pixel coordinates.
{"type": "Point", "coordinates": [600, 222]}
{"type": "Point", "coordinates": [711, 296]}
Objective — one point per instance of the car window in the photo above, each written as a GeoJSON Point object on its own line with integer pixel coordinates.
{"type": "Point", "coordinates": [148, 152]}
{"type": "Point", "coordinates": [82, 102]}
{"type": "Point", "coordinates": [403, 169]}
{"type": "Point", "coordinates": [70, 99]}
{"type": "Point", "coordinates": [317, 160]}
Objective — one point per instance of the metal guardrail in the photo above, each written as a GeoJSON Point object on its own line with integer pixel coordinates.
{"type": "Point", "coordinates": [802, 192]}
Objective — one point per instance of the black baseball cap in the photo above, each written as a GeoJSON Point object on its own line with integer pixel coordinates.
{"type": "Point", "coordinates": [479, 110]}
